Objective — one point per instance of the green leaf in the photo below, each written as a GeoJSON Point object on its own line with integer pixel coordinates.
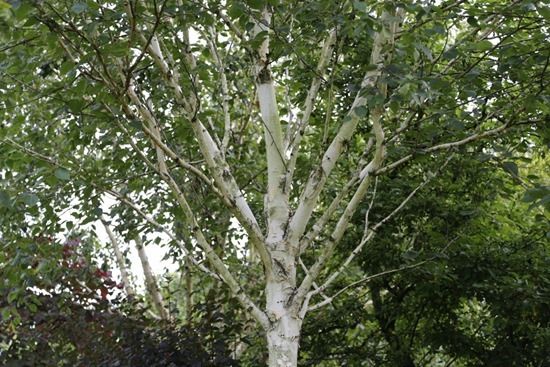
{"type": "Point", "coordinates": [76, 105]}
{"type": "Point", "coordinates": [257, 41]}
{"type": "Point", "coordinates": [62, 174]}
{"type": "Point", "coordinates": [66, 67]}
{"type": "Point", "coordinates": [5, 199]}
{"type": "Point", "coordinates": [483, 157]}
{"type": "Point", "coordinates": [455, 124]}
{"type": "Point", "coordinates": [13, 295]}
{"type": "Point", "coordinates": [440, 83]}
{"type": "Point", "coordinates": [135, 124]}
{"type": "Point", "coordinates": [32, 307]}
{"type": "Point", "coordinates": [117, 49]}
{"type": "Point", "coordinates": [482, 45]}
{"type": "Point", "coordinates": [360, 6]}
{"type": "Point", "coordinates": [30, 199]}
{"type": "Point", "coordinates": [347, 118]}
{"type": "Point", "coordinates": [6, 310]}
{"type": "Point", "coordinates": [511, 167]}
{"type": "Point", "coordinates": [256, 4]}
{"type": "Point", "coordinates": [236, 10]}
{"type": "Point", "coordinates": [79, 8]}
{"type": "Point", "coordinates": [450, 54]}
{"type": "Point", "coordinates": [472, 21]}
{"type": "Point", "coordinates": [4, 5]}
{"type": "Point", "coordinates": [376, 100]}
{"type": "Point", "coordinates": [545, 200]}
{"type": "Point", "coordinates": [544, 11]}
{"type": "Point", "coordinates": [361, 111]}
{"type": "Point", "coordinates": [23, 11]}
{"type": "Point", "coordinates": [535, 193]}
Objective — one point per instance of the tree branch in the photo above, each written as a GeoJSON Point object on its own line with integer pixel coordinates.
{"type": "Point", "coordinates": [329, 248]}
{"type": "Point", "coordinates": [211, 40]}
{"type": "Point", "coordinates": [213, 156]}
{"type": "Point", "coordinates": [443, 146]}
{"type": "Point", "coordinates": [329, 300]}
{"type": "Point", "coordinates": [296, 131]}
{"type": "Point", "coordinates": [120, 260]}
{"type": "Point", "coordinates": [150, 280]}
{"type": "Point", "coordinates": [318, 177]}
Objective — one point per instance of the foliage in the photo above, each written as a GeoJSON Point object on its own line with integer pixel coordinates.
{"type": "Point", "coordinates": [480, 298]}
{"type": "Point", "coordinates": [269, 137]}
{"type": "Point", "coordinates": [65, 312]}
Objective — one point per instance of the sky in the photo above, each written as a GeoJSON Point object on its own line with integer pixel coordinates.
{"type": "Point", "coordinates": [155, 253]}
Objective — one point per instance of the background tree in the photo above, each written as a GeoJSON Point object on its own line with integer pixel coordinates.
{"type": "Point", "coordinates": [454, 307]}
{"type": "Point", "coordinates": [286, 119]}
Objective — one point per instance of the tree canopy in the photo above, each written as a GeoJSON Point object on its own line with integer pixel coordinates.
{"type": "Point", "coordinates": [372, 171]}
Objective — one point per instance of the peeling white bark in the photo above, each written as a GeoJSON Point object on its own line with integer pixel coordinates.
{"type": "Point", "coordinates": [214, 157]}
{"type": "Point", "coordinates": [151, 281]}
{"type": "Point", "coordinates": [296, 131]}
{"type": "Point", "coordinates": [283, 340]}
{"type": "Point", "coordinates": [317, 179]}
{"type": "Point", "coordinates": [276, 203]}
{"type": "Point", "coordinates": [124, 274]}
{"type": "Point", "coordinates": [276, 198]}
{"type": "Point", "coordinates": [283, 331]}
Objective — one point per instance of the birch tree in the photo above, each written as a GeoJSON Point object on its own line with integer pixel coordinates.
{"type": "Point", "coordinates": [275, 116]}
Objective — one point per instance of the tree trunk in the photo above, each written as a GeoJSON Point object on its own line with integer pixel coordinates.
{"type": "Point", "coordinates": [188, 291]}
{"type": "Point", "coordinates": [283, 336]}
{"type": "Point", "coordinates": [150, 280]}
{"type": "Point", "coordinates": [124, 274]}
{"type": "Point", "coordinates": [283, 343]}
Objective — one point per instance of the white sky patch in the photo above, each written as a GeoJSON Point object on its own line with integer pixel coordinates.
{"type": "Point", "coordinates": [155, 252]}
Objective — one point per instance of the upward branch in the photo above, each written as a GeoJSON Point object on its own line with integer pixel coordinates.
{"type": "Point", "coordinates": [318, 177]}
{"type": "Point", "coordinates": [375, 163]}
{"type": "Point", "coordinates": [214, 157]}
{"type": "Point", "coordinates": [296, 131]}
{"type": "Point", "coordinates": [151, 280]}
{"type": "Point", "coordinates": [276, 201]}
{"type": "Point", "coordinates": [124, 274]}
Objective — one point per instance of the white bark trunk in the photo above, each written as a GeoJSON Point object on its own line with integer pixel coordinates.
{"type": "Point", "coordinates": [214, 157]}
{"type": "Point", "coordinates": [283, 329]}
{"type": "Point", "coordinates": [150, 280]}
{"type": "Point", "coordinates": [120, 261]}
{"type": "Point", "coordinates": [283, 334]}
{"type": "Point", "coordinates": [277, 200]}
